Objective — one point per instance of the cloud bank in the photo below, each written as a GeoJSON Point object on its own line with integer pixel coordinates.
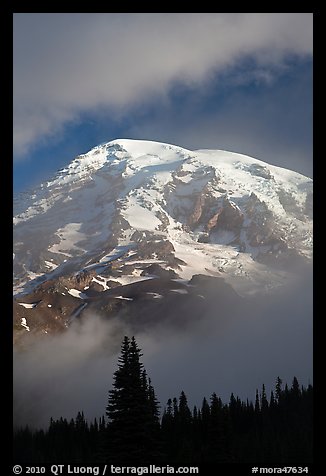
{"type": "Point", "coordinates": [69, 64]}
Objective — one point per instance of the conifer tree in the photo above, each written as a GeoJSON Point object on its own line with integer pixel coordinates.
{"type": "Point", "coordinates": [175, 408]}
{"type": "Point", "coordinates": [132, 411]}
{"type": "Point", "coordinates": [184, 411]}
{"type": "Point", "coordinates": [272, 402]}
{"type": "Point", "coordinates": [217, 431]}
{"type": "Point", "coordinates": [278, 389]}
{"type": "Point", "coordinates": [257, 405]}
{"type": "Point", "coordinates": [264, 401]}
{"type": "Point", "coordinates": [183, 429]}
{"type": "Point", "coordinates": [295, 389]}
{"type": "Point", "coordinates": [205, 412]}
{"type": "Point", "coordinates": [168, 431]}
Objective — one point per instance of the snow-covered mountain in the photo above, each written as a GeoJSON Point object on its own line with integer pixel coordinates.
{"type": "Point", "coordinates": [132, 211]}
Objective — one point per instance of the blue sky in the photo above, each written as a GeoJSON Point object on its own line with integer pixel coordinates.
{"type": "Point", "coordinates": [240, 82]}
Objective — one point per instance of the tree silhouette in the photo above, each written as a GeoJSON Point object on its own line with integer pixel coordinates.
{"type": "Point", "coordinates": [260, 432]}
{"type": "Point", "coordinates": [132, 410]}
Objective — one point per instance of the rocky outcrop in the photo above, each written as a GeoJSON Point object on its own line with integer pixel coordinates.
{"type": "Point", "coordinates": [212, 223]}
{"type": "Point", "coordinates": [143, 235]}
{"type": "Point", "coordinates": [162, 249]}
{"type": "Point", "coordinates": [157, 270]}
{"type": "Point", "coordinates": [285, 257]}
{"type": "Point", "coordinates": [50, 315]}
{"type": "Point", "coordinates": [217, 286]}
{"type": "Point", "coordinates": [164, 221]}
{"type": "Point", "coordinates": [261, 230]}
{"type": "Point", "coordinates": [260, 171]}
{"type": "Point", "coordinates": [228, 217]}
{"type": "Point", "coordinates": [289, 203]}
{"type": "Point", "coordinates": [197, 212]}
{"type": "Point", "coordinates": [78, 281]}
{"type": "Point", "coordinates": [254, 207]}
{"type": "Point", "coordinates": [262, 234]}
{"type": "Point", "coordinates": [203, 207]}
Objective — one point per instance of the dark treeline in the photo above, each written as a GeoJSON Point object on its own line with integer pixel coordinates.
{"type": "Point", "coordinates": [274, 429]}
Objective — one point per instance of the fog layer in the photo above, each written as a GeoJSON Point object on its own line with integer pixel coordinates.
{"type": "Point", "coordinates": [233, 348]}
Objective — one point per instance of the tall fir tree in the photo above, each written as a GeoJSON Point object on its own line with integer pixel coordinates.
{"type": "Point", "coordinates": [263, 400]}
{"type": "Point", "coordinates": [257, 404]}
{"type": "Point", "coordinates": [132, 411]}
{"type": "Point", "coordinates": [278, 389]}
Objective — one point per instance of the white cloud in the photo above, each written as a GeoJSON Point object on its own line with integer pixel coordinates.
{"type": "Point", "coordinates": [67, 64]}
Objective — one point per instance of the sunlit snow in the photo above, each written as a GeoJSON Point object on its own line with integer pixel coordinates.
{"type": "Point", "coordinates": [126, 186]}
{"type": "Point", "coordinates": [24, 324]}
{"type": "Point", "coordinates": [27, 305]}
{"type": "Point", "coordinates": [77, 294]}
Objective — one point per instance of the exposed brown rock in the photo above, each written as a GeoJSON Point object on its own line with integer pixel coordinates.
{"type": "Point", "coordinates": [96, 287]}
{"type": "Point", "coordinates": [228, 217]}
{"type": "Point", "coordinates": [163, 249]}
{"type": "Point", "coordinates": [157, 270]}
{"type": "Point", "coordinates": [213, 221]}
{"type": "Point", "coordinates": [78, 281]}
{"type": "Point", "coordinates": [197, 211]}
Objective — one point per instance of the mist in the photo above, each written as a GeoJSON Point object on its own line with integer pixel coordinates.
{"type": "Point", "coordinates": [225, 348]}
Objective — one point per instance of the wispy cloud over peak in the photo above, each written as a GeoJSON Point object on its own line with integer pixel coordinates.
{"type": "Point", "coordinates": [68, 64]}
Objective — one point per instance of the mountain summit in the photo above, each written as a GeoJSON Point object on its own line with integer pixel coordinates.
{"type": "Point", "coordinates": [131, 211]}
